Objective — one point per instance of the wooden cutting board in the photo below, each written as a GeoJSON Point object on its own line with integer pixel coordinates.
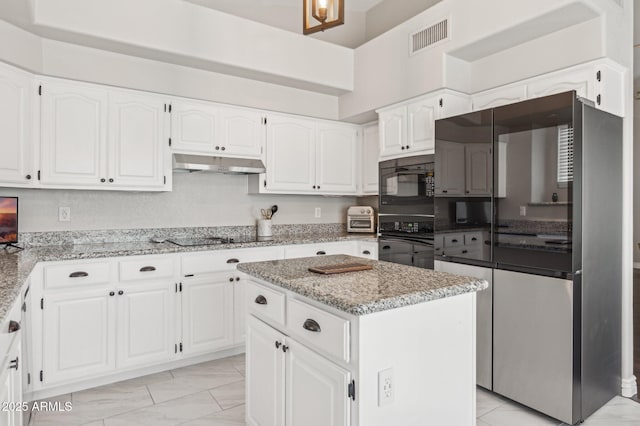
{"type": "Point", "coordinates": [340, 268]}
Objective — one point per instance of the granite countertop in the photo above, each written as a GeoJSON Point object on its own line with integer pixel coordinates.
{"type": "Point", "coordinates": [15, 266]}
{"type": "Point", "coordinates": [386, 286]}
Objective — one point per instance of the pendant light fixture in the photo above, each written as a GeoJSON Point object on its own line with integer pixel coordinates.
{"type": "Point", "coordinates": [322, 14]}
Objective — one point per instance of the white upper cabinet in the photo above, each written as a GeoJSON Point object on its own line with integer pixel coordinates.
{"type": "Point", "coordinates": [336, 159]}
{"type": "Point", "coordinates": [137, 140]}
{"type": "Point", "coordinates": [500, 96]}
{"type": "Point", "coordinates": [583, 81]}
{"type": "Point", "coordinates": [305, 156]}
{"type": "Point", "coordinates": [194, 127]}
{"type": "Point", "coordinates": [393, 131]}
{"type": "Point", "coordinates": [409, 129]}
{"type": "Point", "coordinates": [16, 167]}
{"type": "Point", "coordinates": [370, 154]}
{"type": "Point", "coordinates": [73, 134]}
{"type": "Point", "coordinates": [243, 132]}
{"type": "Point", "coordinates": [101, 138]}
{"type": "Point", "coordinates": [291, 155]}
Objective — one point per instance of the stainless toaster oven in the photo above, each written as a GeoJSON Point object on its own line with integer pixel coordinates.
{"type": "Point", "coordinates": [361, 219]}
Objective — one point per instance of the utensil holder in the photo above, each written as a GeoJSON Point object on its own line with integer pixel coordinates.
{"type": "Point", "coordinates": [264, 228]}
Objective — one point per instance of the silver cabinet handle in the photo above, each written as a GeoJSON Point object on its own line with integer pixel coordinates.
{"type": "Point", "coordinates": [78, 274]}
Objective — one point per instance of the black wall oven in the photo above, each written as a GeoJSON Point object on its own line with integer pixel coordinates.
{"type": "Point", "coordinates": [406, 209]}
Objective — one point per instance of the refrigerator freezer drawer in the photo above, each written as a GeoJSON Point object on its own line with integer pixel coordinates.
{"type": "Point", "coordinates": [533, 337]}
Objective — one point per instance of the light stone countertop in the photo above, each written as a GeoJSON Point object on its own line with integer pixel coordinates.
{"type": "Point", "coordinates": [386, 286]}
{"type": "Point", "coordinates": [15, 266]}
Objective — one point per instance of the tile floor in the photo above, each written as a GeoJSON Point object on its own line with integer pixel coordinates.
{"type": "Point", "coordinates": [212, 394]}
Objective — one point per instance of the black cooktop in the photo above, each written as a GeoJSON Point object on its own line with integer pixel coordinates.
{"type": "Point", "coordinates": [208, 241]}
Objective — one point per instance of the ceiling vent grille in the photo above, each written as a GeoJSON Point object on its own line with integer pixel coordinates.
{"type": "Point", "coordinates": [429, 36]}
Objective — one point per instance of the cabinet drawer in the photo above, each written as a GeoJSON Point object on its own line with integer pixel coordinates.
{"type": "Point", "coordinates": [325, 331]}
{"type": "Point", "coordinates": [72, 274]}
{"type": "Point", "coordinates": [310, 250]}
{"type": "Point", "coordinates": [226, 260]}
{"type": "Point", "coordinates": [453, 240]}
{"type": "Point", "coordinates": [264, 302]}
{"type": "Point", "coordinates": [463, 251]}
{"type": "Point", "coordinates": [144, 269]}
{"type": "Point", "coordinates": [473, 238]}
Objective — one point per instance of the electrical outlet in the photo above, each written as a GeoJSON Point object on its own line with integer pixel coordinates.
{"type": "Point", "coordinates": [318, 212]}
{"type": "Point", "coordinates": [386, 387]}
{"type": "Point", "coordinates": [523, 210]}
{"type": "Point", "coordinates": [64, 214]}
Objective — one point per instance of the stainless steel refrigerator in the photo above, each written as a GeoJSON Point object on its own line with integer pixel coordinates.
{"type": "Point", "coordinates": [547, 201]}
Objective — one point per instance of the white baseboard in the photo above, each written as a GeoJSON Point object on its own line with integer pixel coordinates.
{"type": "Point", "coordinates": [629, 387]}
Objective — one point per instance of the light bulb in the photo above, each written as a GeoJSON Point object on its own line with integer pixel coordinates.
{"type": "Point", "coordinates": [322, 4]}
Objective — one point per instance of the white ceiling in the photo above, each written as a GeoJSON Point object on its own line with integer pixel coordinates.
{"type": "Point", "coordinates": [357, 5]}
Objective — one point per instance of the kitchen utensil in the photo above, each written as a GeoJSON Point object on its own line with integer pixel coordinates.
{"type": "Point", "coordinates": [274, 209]}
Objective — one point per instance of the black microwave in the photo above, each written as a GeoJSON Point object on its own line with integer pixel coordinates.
{"type": "Point", "coordinates": [407, 185]}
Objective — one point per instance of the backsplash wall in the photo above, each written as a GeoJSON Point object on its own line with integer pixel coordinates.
{"type": "Point", "coordinates": [197, 200]}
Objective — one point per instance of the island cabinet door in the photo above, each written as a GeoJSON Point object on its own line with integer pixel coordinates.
{"type": "Point", "coordinates": [265, 374]}
{"type": "Point", "coordinates": [317, 389]}
{"type": "Point", "coordinates": [79, 335]}
{"type": "Point", "coordinates": [207, 313]}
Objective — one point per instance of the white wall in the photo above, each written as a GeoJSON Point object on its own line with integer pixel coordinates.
{"type": "Point", "coordinates": [19, 47]}
{"type": "Point", "coordinates": [387, 14]}
{"type": "Point", "coordinates": [636, 179]}
{"type": "Point", "coordinates": [198, 199]}
{"type": "Point", "coordinates": [100, 66]}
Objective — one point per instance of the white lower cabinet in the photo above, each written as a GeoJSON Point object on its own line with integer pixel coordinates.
{"type": "Point", "coordinates": [11, 363]}
{"type": "Point", "coordinates": [146, 324]}
{"type": "Point", "coordinates": [288, 384]}
{"type": "Point", "coordinates": [320, 249]}
{"type": "Point", "coordinates": [207, 313]}
{"type": "Point", "coordinates": [78, 335]}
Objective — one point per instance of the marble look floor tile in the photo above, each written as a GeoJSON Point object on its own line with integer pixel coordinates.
{"type": "Point", "coordinates": [218, 365]}
{"type": "Point", "coordinates": [231, 417]}
{"type": "Point", "coordinates": [487, 401]}
{"type": "Point", "coordinates": [169, 413]}
{"type": "Point", "coordinates": [510, 414]}
{"type": "Point", "coordinates": [96, 423]}
{"type": "Point", "coordinates": [98, 403]}
{"type": "Point", "coordinates": [230, 395]}
{"type": "Point", "coordinates": [173, 389]}
{"type": "Point", "coordinates": [618, 411]}
{"type": "Point", "coordinates": [150, 379]}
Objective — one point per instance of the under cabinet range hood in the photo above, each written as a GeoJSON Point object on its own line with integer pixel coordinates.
{"type": "Point", "coordinates": [205, 163]}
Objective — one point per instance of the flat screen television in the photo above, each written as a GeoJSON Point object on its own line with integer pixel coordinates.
{"type": "Point", "coordinates": [8, 220]}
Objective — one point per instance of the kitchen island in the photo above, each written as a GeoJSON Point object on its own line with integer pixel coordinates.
{"type": "Point", "coordinates": [390, 345]}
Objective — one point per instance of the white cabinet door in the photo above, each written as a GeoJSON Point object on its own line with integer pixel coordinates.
{"type": "Point", "coordinates": [316, 389]}
{"type": "Point", "coordinates": [336, 159]}
{"type": "Point", "coordinates": [265, 375]}
{"type": "Point", "coordinates": [291, 155]}
{"type": "Point", "coordinates": [73, 134]}
{"type": "Point", "coordinates": [421, 118]}
{"type": "Point", "coordinates": [478, 169]}
{"type": "Point", "coordinates": [583, 81]}
{"type": "Point", "coordinates": [146, 324]}
{"type": "Point", "coordinates": [194, 128]}
{"type": "Point", "coordinates": [449, 168]}
{"type": "Point", "coordinates": [370, 154]}
{"type": "Point", "coordinates": [393, 131]}
{"type": "Point", "coordinates": [79, 335]}
{"type": "Point", "coordinates": [15, 122]}
{"type": "Point", "coordinates": [450, 104]}
{"type": "Point", "coordinates": [500, 96]}
{"type": "Point", "coordinates": [239, 311]}
{"type": "Point", "coordinates": [243, 132]}
{"type": "Point", "coordinates": [207, 313]}
{"type": "Point", "coordinates": [138, 146]}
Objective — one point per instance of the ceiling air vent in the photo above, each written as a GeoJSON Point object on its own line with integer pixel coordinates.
{"type": "Point", "coordinates": [428, 36]}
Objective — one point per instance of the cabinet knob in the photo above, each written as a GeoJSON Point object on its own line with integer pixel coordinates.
{"type": "Point", "coordinates": [318, 186]}
{"type": "Point", "coordinates": [285, 348]}
{"type": "Point", "coordinates": [311, 325]}
{"type": "Point", "coordinates": [278, 344]}
{"type": "Point", "coordinates": [110, 180]}
{"type": "Point", "coordinates": [465, 251]}
{"type": "Point", "coordinates": [223, 148]}
{"type": "Point", "coordinates": [407, 146]}
{"type": "Point", "coordinates": [314, 187]}
{"type": "Point", "coordinates": [466, 192]}
{"type": "Point", "coordinates": [28, 177]}
{"type": "Point", "coordinates": [103, 180]}
{"type": "Point", "coordinates": [231, 279]}
{"type": "Point", "coordinates": [120, 292]}
{"type": "Point", "coordinates": [112, 293]}
{"type": "Point", "coordinates": [402, 148]}
{"type": "Point", "coordinates": [217, 148]}
{"type": "Point", "coordinates": [237, 278]}
{"type": "Point", "coordinates": [261, 300]}
{"type": "Point", "coordinates": [444, 191]}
